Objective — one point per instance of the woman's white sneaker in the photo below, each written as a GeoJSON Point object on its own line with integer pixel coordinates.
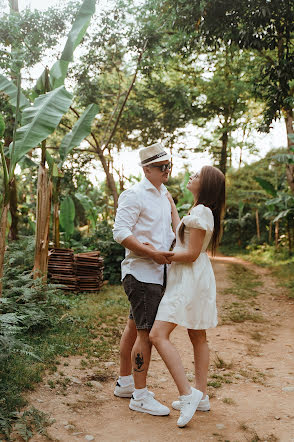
{"type": "Point", "coordinates": [188, 406]}
{"type": "Point", "coordinates": [204, 404]}
{"type": "Point", "coordinates": [149, 405]}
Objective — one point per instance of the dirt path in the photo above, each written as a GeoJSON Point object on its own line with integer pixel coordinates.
{"type": "Point", "coordinates": [251, 381]}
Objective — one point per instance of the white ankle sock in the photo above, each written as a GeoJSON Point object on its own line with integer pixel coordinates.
{"type": "Point", "coordinates": [125, 380]}
{"type": "Point", "coordinates": [139, 393]}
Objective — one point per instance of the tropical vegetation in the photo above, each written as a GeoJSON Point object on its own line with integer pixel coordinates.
{"type": "Point", "coordinates": [84, 84]}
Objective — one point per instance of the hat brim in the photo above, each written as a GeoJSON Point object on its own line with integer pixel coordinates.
{"type": "Point", "coordinates": [165, 157]}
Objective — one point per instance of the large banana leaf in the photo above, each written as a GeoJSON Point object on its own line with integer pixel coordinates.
{"type": "Point", "coordinates": [284, 158]}
{"type": "Point", "coordinates": [80, 130]}
{"type": "Point", "coordinates": [59, 69]}
{"type": "Point", "coordinates": [90, 210]}
{"type": "Point", "coordinates": [266, 185]}
{"type": "Point", "coordinates": [282, 214]}
{"type": "Point", "coordinates": [39, 121]}
{"type": "Point", "coordinates": [10, 89]}
{"type": "Point", "coordinates": [67, 215]}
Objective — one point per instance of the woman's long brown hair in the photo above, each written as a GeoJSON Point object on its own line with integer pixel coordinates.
{"type": "Point", "coordinates": [212, 194]}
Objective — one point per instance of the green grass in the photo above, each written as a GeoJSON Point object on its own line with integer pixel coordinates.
{"type": "Point", "coordinates": [244, 285]}
{"type": "Point", "coordinates": [244, 282]}
{"type": "Point", "coordinates": [229, 401]}
{"type": "Point", "coordinates": [278, 261]}
{"type": "Point", "coordinates": [89, 325]}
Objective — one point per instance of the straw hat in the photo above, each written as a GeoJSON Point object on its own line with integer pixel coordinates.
{"type": "Point", "coordinates": [153, 154]}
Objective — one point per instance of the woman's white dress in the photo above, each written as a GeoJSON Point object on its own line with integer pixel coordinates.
{"type": "Point", "coordinates": [190, 296]}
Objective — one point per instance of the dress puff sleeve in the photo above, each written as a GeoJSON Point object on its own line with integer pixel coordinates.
{"type": "Point", "coordinates": [201, 217]}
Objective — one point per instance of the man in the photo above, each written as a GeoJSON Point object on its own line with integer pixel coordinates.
{"type": "Point", "coordinates": [143, 217]}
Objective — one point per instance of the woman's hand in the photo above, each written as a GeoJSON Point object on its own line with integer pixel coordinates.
{"type": "Point", "coordinates": [169, 197]}
{"type": "Point", "coordinates": [159, 256]}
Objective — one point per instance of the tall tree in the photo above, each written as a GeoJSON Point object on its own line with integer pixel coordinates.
{"type": "Point", "coordinates": [263, 26]}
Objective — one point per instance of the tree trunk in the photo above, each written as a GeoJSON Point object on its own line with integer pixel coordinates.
{"type": "Point", "coordinates": [56, 231]}
{"type": "Point", "coordinates": [44, 194]}
{"type": "Point", "coordinates": [290, 167]}
{"type": "Point", "coordinates": [3, 223]}
{"type": "Point", "coordinates": [224, 153]}
{"type": "Point", "coordinates": [109, 176]}
{"type": "Point", "coordinates": [13, 234]}
{"type": "Point", "coordinates": [257, 224]}
{"type": "Point", "coordinates": [289, 237]}
{"type": "Point", "coordinates": [277, 234]}
{"type": "Point", "coordinates": [270, 232]}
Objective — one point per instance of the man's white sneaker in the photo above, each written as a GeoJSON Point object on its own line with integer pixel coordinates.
{"type": "Point", "coordinates": [188, 406]}
{"type": "Point", "coordinates": [149, 405]}
{"type": "Point", "coordinates": [126, 391]}
{"type": "Point", "coordinates": [204, 404]}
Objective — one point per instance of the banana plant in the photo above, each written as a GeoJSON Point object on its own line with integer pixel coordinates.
{"type": "Point", "coordinates": [78, 133]}
{"type": "Point", "coordinates": [39, 120]}
{"type": "Point", "coordinates": [239, 222]}
{"type": "Point", "coordinates": [67, 216]}
{"type": "Point", "coordinates": [280, 205]}
{"type": "Point", "coordinates": [4, 202]}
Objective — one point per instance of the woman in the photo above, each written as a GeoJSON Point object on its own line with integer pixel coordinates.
{"type": "Point", "coordinates": [190, 297]}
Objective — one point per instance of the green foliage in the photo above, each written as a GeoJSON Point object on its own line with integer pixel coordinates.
{"type": "Point", "coordinates": [26, 307]}
{"type": "Point", "coordinates": [32, 421]}
{"type": "Point", "coordinates": [10, 89]}
{"type": "Point", "coordinates": [67, 215]}
{"type": "Point", "coordinates": [59, 70]}
{"type": "Point", "coordinates": [37, 32]}
{"type": "Point", "coordinates": [63, 324]}
{"type": "Point", "coordinates": [40, 120]}
{"type": "Point", "coordinates": [80, 130]}
{"type": "Point", "coordinates": [266, 185]}
{"type": "Point", "coordinates": [112, 252]}
{"type": "Point", "coordinates": [261, 26]}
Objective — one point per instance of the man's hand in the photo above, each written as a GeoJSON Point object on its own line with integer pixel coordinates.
{"type": "Point", "coordinates": [159, 256]}
{"type": "Point", "coordinates": [162, 257]}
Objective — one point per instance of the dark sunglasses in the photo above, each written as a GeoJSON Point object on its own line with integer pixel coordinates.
{"type": "Point", "coordinates": [163, 167]}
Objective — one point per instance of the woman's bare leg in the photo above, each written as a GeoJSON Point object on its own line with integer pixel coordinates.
{"type": "Point", "coordinates": [159, 336]}
{"type": "Point", "coordinates": [201, 358]}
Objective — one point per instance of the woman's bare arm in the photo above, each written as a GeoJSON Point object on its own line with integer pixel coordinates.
{"type": "Point", "coordinates": [174, 212]}
{"type": "Point", "coordinates": [195, 245]}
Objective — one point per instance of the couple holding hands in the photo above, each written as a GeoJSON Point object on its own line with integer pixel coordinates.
{"type": "Point", "coordinates": [146, 224]}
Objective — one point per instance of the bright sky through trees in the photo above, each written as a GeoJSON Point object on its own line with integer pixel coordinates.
{"type": "Point", "coordinates": [129, 161]}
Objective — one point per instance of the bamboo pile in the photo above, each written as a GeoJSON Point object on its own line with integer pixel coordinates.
{"type": "Point", "coordinates": [61, 268]}
{"type": "Point", "coordinates": [82, 272]}
{"type": "Point", "coordinates": [89, 271]}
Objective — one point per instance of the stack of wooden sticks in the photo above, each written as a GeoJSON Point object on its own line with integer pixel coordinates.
{"type": "Point", "coordinates": [89, 271]}
{"type": "Point", "coordinates": [82, 272]}
{"type": "Point", "coordinates": [61, 268]}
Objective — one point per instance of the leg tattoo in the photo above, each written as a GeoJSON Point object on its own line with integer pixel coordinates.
{"type": "Point", "coordinates": [139, 360]}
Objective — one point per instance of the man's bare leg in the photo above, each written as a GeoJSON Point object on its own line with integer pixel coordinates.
{"type": "Point", "coordinates": [127, 342]}
{"type": "Point", "coordinates": [141, 358]}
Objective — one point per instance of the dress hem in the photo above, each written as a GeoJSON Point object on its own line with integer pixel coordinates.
{"type": "Point", "coordinates": [187, 326]}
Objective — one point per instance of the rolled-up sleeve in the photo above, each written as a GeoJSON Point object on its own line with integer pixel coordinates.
{"type": "Point", "coordinates": [126, 216]}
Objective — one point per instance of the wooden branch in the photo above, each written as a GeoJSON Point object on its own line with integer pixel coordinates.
{"type": "Point", "coordinates": [126, 97]}
{"type": "Point", "coordinates": [76, 150]}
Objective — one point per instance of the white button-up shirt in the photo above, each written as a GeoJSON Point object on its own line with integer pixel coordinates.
{"type": "Point", "coordinates": [144, 212]}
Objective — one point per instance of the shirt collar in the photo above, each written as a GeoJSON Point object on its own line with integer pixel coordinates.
{"type": "Point", "coordinates": [149, 186]}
